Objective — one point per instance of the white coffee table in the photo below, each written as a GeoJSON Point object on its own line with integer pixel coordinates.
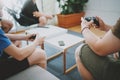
{"type": "Point", "coordinates": [54, 34]}
{"type": "Point", "coordinates": [48, 31]}
{"type": "Point", "coordinates": [69, 40]}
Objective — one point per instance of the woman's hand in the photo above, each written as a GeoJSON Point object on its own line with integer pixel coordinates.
{"type": "Point", "coordinates": [85, 24]}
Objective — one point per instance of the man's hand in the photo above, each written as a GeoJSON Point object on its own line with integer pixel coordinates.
{"type": "Point", "coordinates": [37, 14]}
{"type": "Point", "coordinates": [31, 37]}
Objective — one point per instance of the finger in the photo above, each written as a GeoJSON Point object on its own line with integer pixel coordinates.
{"type": "Point", "coordinates": [82, 19]}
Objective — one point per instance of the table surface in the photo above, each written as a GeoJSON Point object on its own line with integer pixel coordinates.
{"type": "Point", "coordinates": [68, 40]}
{"type": "Point", "coordinates": [53, 34]}
{"type": "Point", "coordinates": [47, 31]}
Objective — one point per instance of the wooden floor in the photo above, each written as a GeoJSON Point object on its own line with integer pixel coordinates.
{"type": "Point", "coordinates": [78, 29]}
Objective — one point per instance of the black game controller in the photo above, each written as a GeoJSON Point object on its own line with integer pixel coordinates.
{"type": "Point", "coordinates": [33, 37]}
{"type": "Point", "coordinates": [94, 20]}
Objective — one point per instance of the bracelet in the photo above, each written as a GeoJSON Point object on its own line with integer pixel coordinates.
{"type": "Point", "coordinates": [84, 29]}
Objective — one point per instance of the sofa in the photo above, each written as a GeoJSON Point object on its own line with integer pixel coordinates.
{"type": "Point", "coordinates": [33, 73]}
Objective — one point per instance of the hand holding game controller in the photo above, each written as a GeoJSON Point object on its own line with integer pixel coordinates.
{"type": "Point", "coordinates": [94, 20]}
{"type": "Point", "coordinates": [32, 37]}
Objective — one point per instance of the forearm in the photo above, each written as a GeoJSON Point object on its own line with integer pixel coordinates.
{"type": "Point", "coordinates": [93, 41]}
{"type": "Point", "coordinates": [48, 16]}
{"type": "Point", "coordinates": [16, 36]}
{"type": "Point", "coordinates": [21, 53]}
{"type": "Point", "coordinates": [28, 50]}
{"type": "Point", "coordinates": [101, 47]}
{"type": "Point", "coordinates": [90, 37]}
{"type": "Point", "coordinates": [39, 14]}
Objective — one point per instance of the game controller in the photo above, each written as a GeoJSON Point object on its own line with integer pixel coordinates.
{"type": "Point", "coordinates": [94, 20]}
{"type": "Point", "coordinates": [33, 37]}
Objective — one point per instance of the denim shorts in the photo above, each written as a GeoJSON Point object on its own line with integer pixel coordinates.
{"type": "Point", "coordinates": [101, 67]}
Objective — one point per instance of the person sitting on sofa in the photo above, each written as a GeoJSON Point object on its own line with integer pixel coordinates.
{"type": "Point", "coordinates": [30, 15]}
{"type": "Point", "coordinates": [7, 24]}
{"type": "Point", "coordinates": [94, 58]}
{"type": "Point", "coordinates": [6, 27]}
{"type": "Point", "coordinates": [14, 59]}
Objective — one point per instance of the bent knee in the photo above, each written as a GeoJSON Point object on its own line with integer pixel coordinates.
{"type": "Point", "coordinates": [43, 19]}
{"type": "Point", "coordinates": [41, 53]}
{"type": "Point", "coordinates": [37, 56]}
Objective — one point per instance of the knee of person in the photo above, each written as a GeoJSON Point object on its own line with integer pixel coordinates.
{"type": "Point", "coordinates": [7, 22]}
{"type": "Point", "coordinates": [6, 25]}
{"type": "Point", "coordinates": [43, 19]}
{"type": "Point", "coordinates": [42, 54]}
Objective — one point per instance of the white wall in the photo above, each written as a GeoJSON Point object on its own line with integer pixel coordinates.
{"type": "Point", "coordinates": [108, 10]}
{"type": "Point", "coordinates": [50, 7]}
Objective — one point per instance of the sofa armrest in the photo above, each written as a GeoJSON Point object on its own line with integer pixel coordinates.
{"type": "Point", "coordinates": [34, 73]}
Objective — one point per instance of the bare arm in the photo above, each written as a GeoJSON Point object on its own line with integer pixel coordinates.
{"type": "Point", "coordinates": [39, 14]}
{"type": "Point", "coordinates": [16, 36]}
{"type": "Point", "coordinates": [19, 36]}
{"type": "Point", "coordinates": [107, 45]}
{"type": "Point", "coordinates": [21, 53]}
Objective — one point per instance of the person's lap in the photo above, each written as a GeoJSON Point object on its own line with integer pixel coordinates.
{"type": "Point", "coordinates": [38, 57]}
{"type": "Point", "coordinates": [10, 66]}
{"type": "Point", "coordinates": [98, 66]}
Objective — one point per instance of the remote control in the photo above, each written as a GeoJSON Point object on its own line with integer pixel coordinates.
{"type": "Point", "coordinates": [61, 43]}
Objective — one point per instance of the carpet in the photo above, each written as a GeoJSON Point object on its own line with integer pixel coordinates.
{"type": "Point", "coordinates": [55, 66]}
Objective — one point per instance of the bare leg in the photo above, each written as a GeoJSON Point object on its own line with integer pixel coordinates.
{"type": "Point", "coordinates": [42, 21]}
{"type": "Point", "coordinates": [6, 25]}
{"type": "Point", "coordinates": [38, 58]}
{"type": "Point", "coordinates": [17, 43]}
{"type": "Point", "coordinates": [86, 75]}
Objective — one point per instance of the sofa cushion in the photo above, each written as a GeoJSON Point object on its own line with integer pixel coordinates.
{"type": "Point", "coordinates": [34, 73]}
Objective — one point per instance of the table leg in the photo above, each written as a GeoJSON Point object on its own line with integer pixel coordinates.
{"type": "Point", "coordinates": [53, 56]}
{"type": "Point", "coordinates": [64, 63]}
{"type": "Point", "coordinates": [65, 71]}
